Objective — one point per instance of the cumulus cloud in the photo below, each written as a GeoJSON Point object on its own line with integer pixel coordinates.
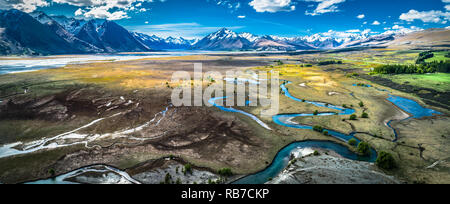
{"type": "Point", "coordinates": [426, 16]}
{"type": "Point", "coordinates": [361, 16]}
{"type": "Point", "coordinates": [397, 29]}
{"type": "Point", "coordinates": [376, 23]}
{"type": "Point", "coordinates": [324, 6]}
{"type": "Point", "coordinates": [23, 5]}
{"type": "Point", "coordinates": [107, 9]}
{"type": "Point", "coordinates": [272, 6]}
{"type": "Point", "coordinates": [241, 17]}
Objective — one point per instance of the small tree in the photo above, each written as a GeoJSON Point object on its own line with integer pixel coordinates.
{"type": "Point", "coordinates": [364, 148]}
{"type": "Point", "coordinates": [326, 133]}
{"type": "Point", "coordinates": [353, 142]}
{"type": "Point", "coordinates": [353, 117]}
{"type": "Point", "coordinates": [316, 153]}
{"type": "Point", "coordinates": [316, 112]}
{"type": "Point", "coordinates": [385, 161]}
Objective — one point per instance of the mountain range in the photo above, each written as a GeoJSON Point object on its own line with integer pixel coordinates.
{"type": "Point", "coordinates": [40, 34]}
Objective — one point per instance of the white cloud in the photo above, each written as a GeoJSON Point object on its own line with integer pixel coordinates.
{"type": "Point", "coordinates": [228, 3]}
{"type": "Point", "coordinates": [447, 7]}
{"type": "Point", "coordinates": [272, 6]}
{"type": "Point", "coordinates": [376, 23]}
{"type": "Point", "coordinates": [353, 31]}
{"type": "Point", "coordinates": [102, 12]}
{"type": "Point", "coordinates": [108, 9]}
{"type": "Point", "coordinates": [426, 16]}
{"type": "Point", "coordinates": [361, 16]}
{"type": "Point", "coordinates": [396, 29]}
{"type": "Point", "coordinates": [241, 17]}
{"type": "Point", "coordinates": [324, 6]}
{"type": "Point", "coordinates": [23, 5]}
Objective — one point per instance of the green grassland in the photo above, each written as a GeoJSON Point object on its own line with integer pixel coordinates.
{"type": "Point", "coordinates": [436, 81]}
{"type": "Point", "coordinates": [439, 56]}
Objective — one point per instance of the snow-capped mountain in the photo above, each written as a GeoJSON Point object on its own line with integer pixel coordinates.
{"type": "Point", "coordinates": [370, 41]}
{"type": "Point", "coordinates": [224, 39]}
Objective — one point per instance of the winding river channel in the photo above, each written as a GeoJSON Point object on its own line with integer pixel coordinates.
{"type": "Point", "coordinates": [282, 158]}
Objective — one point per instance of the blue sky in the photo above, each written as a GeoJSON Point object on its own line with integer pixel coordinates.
{"type": "Point", "coordinates": [196, 18]}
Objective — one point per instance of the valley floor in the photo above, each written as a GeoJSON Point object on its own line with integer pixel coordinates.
{"type": "Point", "coordinates": [119, 114]}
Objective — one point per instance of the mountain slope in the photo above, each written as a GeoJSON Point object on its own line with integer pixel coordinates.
{"type": "Point", "coordinates": [115, 38]}
{"type": "Point", "coordinates": [26, 33]}
{"type": "Point", "coordinates": [88, 33]}
{"type": "Point", "coordinates": [426, 39]}
{"type": "Point", "coordinates": [77, 43]}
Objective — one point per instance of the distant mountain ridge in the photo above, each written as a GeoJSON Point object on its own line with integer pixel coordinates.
{"type": "Point", "coordinates": [40, 34]}
{"type": "Point", "coordinates": [225, 39]}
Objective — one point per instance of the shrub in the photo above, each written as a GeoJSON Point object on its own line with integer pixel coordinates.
{"type": "Point", "coordinates": [385, 161]}
{"type": "Point", "coordinates": [168, 179]}
{"type": "Point", "coordinates": [225, 172]}
{"type": "Point", "coordinates": [51, 172]}
{"type": "Point", "coordinates": [187, 169]}
{"type": "Point", "coordinates": [326, 133]}
{"type": "Point", "coordinates": [361, 104]}
{"type": "Point", "coordinates": [353, 142]}
{"type": "Point", "coordinates": [279, 62]}
{"type": "Point", "coordinates": [316, 153]}
{"type": "Point", "coordinates": [365, 115]}
{"type": "Point", "coordinates": [329, 62]}
{"type": "Point", "coordinates": [364, 148]}
{"type": "Point", "coordinates": [318, 128]}
{"type": "Point", "coordinates": [316, 112]}
{"type": "Point", "coordinates": [178, 181]}
{"type": "Point", "coordinates": [353, 117]}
